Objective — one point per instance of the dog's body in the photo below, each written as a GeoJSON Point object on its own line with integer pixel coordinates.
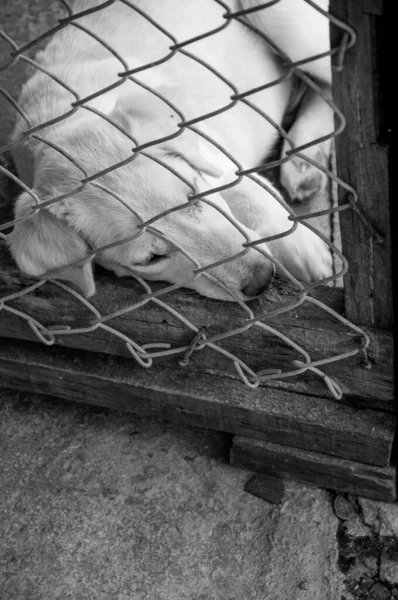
{"type": "Point", "coordinates": [41, 244]}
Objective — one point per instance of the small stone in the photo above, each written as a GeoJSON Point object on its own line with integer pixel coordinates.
{"type": "Point", "coordinates": [356, 528]}
{"type": "Point", "coordinates": [343, 508]}
{"type": "Point", "coordinates": [370, 564]}
{"type": "Point", "coordinates": [389, 571]}
{"type": "Point", "coordinates": [268, 488]}
{"type": "Point", "coordinates": [353, 499]}
{"type": "Point", "coordinates": [364, 584]}
{"type": "Point", "coordinates": [381, 516]}
{"type": "Point", "coordinates": [378, 591]}
{"type": "Point", "coordinates": [388, 515]}
{"type": "Point", "coordinates": [370, 512]}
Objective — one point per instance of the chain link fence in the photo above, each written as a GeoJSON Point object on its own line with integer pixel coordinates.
{"type": "Point", "coordinates": [146, 353]}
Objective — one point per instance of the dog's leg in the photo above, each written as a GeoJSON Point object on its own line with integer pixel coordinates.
{"type": "Point", "coordinates": [302, 252]}
{"type": "Point", "coordinates": [301, 31]}
{"type": "Point", "coordinates": [300, 178]}
{"type": "Point", "coordinates": [298, 29]}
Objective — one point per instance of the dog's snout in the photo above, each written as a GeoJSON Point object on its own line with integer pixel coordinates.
{"type": "Point", "coordinates": [259, 281]}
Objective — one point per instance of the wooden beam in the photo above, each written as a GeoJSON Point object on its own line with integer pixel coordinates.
{"type": "Point", "coordinates": [343, 476]}
{"type": "Point", "coordinates": [374, 7]}
{"type": "Point", "coordinates": [202, 400]}
{"type": "Point", "coordinates": [365, 383]}
{"type": "Point", "coordinates": [362, 161]}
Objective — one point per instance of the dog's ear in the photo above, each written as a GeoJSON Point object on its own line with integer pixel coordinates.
{"type": "Point", "coordinates": [145, 116]}
{"type": "Point", "coordinates": [41, 243]}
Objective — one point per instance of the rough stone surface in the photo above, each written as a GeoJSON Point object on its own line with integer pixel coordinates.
{"type": "Point", "coordinates": [101, 506]}
{"type": "Point", "coordinates": [368, 547]}
{"type": "Point", "coordinates": [370, 512]}
{"type": "Point", "coordinates": [299, 554]}
{"type": "Point", "coordinates": [379, 592]}
{"type": "Point", "coordinates": [389, 571]}
{"type": "Point", "coordinates": [355, 527]}
{"type": "Point", "coordinates": [382, 516]}
{"type": "Point", "coordinates": [343, 508]}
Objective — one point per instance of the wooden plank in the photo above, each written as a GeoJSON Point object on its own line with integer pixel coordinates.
{"type": "Point", "coordinates": [343, 476]}
{"type": "Point", "coordinates": [362, 161]}
{"type": "Point", "coordinates": [201, 400]}
{"type": "Point", "coordinates": [314, 329]}
{"type": "Point", "coordinates": [375, 7]}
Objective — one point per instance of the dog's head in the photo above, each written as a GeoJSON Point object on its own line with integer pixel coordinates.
{"type": "Point", "coordinates": [50, 241]}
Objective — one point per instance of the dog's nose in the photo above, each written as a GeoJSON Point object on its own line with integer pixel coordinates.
{"type": "Point", "coordinates": [259, 281]}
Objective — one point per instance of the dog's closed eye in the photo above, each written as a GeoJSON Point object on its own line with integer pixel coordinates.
{"type": "Point", "coordinates": [152, 260]}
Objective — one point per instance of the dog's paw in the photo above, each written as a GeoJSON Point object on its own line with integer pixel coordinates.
{"type": "Point", "coordinates": [301, 179]}
{"type": "Point", "coordinates": [304, 254]}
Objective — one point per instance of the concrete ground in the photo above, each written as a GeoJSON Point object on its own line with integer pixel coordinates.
{"type": "Point", "coordinates": [97, 505]}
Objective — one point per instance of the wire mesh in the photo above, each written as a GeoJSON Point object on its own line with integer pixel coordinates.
{"type": "Point", "coordinates": [145, 354]}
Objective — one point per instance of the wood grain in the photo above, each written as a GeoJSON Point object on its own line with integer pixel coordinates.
{"type": "Point", "coordinates": [343, 476]}
{"type": "Point", "coordinates": [199, 399]}
{"type": "Point", "coordinates": [365, 384]}
{"type": "Point", "coordinates": [362, 161]}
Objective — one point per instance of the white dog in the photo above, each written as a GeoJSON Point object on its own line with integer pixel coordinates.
{"type": "Point", "coordinates": [66, 231]}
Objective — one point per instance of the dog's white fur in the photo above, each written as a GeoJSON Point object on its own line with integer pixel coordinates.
{"type": "Point", "coordinates": [63, 233]}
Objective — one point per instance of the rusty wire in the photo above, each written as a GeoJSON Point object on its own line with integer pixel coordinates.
{"type": "Point", "coordinates": [145, 354]}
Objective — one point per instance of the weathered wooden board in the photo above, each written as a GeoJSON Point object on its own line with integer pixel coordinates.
{"type": "Point", "coordinates": [375, 7]}
{"type": "Point", "coordinates": [364, 383]}
{"type": "Point", "coordinates": [202, 400]}
{"type": "Point", "coordinates": [362, 161]}
{"type": "Point", "coordinates": [310, 467]}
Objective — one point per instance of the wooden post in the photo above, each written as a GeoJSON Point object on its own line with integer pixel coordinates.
{"type": "Point", "coordinates": [362, 161]}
